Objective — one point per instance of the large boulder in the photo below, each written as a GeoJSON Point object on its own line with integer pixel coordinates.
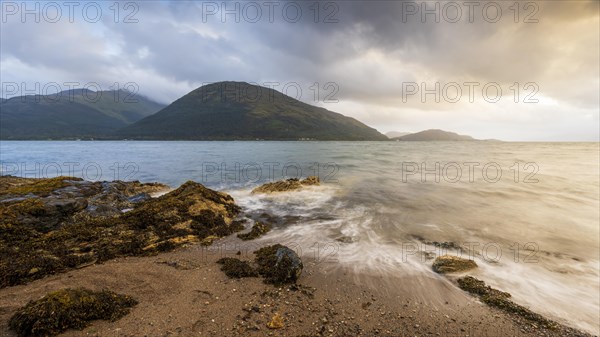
{"type": "Point", "coordinates": [278, 264]}
{"type": "Point", "coordinates": [287, 185]}
{"type": "Point", "coordinates": [452, 264]}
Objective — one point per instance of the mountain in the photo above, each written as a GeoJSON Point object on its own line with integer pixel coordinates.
{"type": "Point", "coordinates": [78, 113]}
{"type": "Point", "coordinates": [434, 135]}
{"type": "Point", "coordinates": [241, 111]}
{"type": "Point", "coordinates": [396, 134]}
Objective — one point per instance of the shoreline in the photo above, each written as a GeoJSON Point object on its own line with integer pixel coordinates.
{"type": "Point", "coordinates": [163, 252]}
{"type": "Point", "coordinates": [181, 294]}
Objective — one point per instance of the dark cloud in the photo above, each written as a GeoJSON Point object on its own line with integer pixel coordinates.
{"type": "Point", "coordinates": [369, 48]}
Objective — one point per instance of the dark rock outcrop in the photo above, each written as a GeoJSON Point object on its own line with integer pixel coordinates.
{"type": "Point", "coordinates": [49, 226]}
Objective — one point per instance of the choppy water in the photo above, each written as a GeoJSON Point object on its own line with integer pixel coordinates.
{"type": "Point", "coordinates": [534, 229]}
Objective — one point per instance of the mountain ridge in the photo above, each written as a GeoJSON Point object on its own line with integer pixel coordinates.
{"type": "Point", "coordinates": [76, 113]}
{"type": "Point", "coordinates": [434, 135]}
{"type": "Point", "coordinates": [242, 111]}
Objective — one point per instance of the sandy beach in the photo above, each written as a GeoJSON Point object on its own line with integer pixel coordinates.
{"type": "Point", "coordinates": [184, 293]}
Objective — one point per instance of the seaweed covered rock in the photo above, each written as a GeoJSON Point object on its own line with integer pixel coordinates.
{"type": "Point", "coordinates": [278, 264]}
{"type": "Point", "coordinates": [286, 185]}
{"type": "Point", "coordinates": [501, 300]}
{"type": "Point", "coordinates": [235, 268]}
{"type": "Point", "coordinates": [57, 200]}
{"type": "Point", "coordinates": [16, 186]}
{"type": "Point", "coordinates": [69, 309]}
{"type": "Point", "coordinates": [451, 264]}
{"type": "Point", "coordinates": [258, 230]}
{"type": "Point", "coordinates": [188, 214]}
{"type": "Point", "coordinates": [53, 231]}
{"type": "Point", "coordinates": [116, 196]}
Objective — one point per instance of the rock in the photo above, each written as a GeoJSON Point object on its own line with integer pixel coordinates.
{"type": "Point", "coordinates": [286, 185]}
{"type": "Point", "coordinates": [115, 196]}
{"type": "Point", "coordinates": [278, 264]}
{"type": "Point", "coordinates": [103, 210]}
{"type": "Point", "coordinates": [11, 186]}
{"type": "Point", "coordinates": [451, 264]}
{"type": "Point", "coordinates": [139, 198]}
{"type": "Point", "coordinates": [66, 206]}
{"type": "Point", "coordinates": [478, 287]}
{"type": "Point", "coordinates": [311, 180]}
{"type": "Point", "coordinates": [80, 223]}
{"type": "Point", "coordinates": [442, 245]}
{"type": "Point", "coordinates": [235, 268]}
{"type": "Point", "coordinates": [501, 300]}
{"type": "Point", "coordinates": [258, 230]}
{"type": "Point", "coordinates": [68, 309]}
{"type": "Point", "coordinates": [45, 214]}
{"type": "Point", "coordinates": [346, 239]}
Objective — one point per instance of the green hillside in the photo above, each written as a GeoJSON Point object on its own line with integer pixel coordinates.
{"type": "Point", "coordinates": [241, 111]}
{"type": "Point", "coordinates": [72, 114]}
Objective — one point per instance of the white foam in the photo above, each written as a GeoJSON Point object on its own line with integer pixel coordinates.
{"type": "Point", "coordinates": [545, 292]}
{"type": "Point", "coordinates": [558, 287]}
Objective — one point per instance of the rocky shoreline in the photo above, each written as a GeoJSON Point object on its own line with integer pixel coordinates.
{"type": "Point", "coordinates": [68, 238]}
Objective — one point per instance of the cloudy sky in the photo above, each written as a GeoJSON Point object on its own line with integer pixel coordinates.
{"type": "Point", "coordinates": [396, 66]}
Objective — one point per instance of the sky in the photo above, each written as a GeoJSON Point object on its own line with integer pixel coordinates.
{"type": "Point", "coordinates": [526, 71]}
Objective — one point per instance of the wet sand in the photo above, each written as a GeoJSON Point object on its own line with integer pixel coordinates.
{"type": "Point", "coordinates": [184, 293]}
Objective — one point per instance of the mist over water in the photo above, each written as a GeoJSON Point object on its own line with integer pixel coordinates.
{"type": "Point", "coordinates": [530, 212]}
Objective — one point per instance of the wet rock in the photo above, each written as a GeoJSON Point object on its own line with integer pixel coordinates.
{"type": "Point", "coordinates": [278, 264]}
{"type": "Point", "coordinates": [68, 309]}
{"type": "Point", "coordinates": [442, 245]}
{"type": "Point", "coordinates": [236, 268]}
{"type": "Point", "coordinates": [451, 264]}
{"type": "Point", "coordinates": [478, 287]}
{"type": "Point", "coordinates": [258, 230]}
{"type": "Point", "coordinates": [114, 197]}
{"type": "Point", "coordinates": [287, 185]}
{"type": "Point", "coordinates": [346, 239]}
{"type": "Point", "coordinates": [103, 210]}
{"type": "Point", "coordinates": [13, 186]}
{"type": "Point", "coordinates": [501, 300]}
{"type": "Point", "coordinates": [82, 222]}
{"type": "Point", "coordinates": [311, 180]}
{"type": "Point", "coordinates": [139, 198]}
{"type": "Point", "coordinates": [43, 214]}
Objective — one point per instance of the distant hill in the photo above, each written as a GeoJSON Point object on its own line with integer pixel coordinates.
{"type": "Point", "coordinates": [396, 134]}
{"type": "Point", "coordinates": [241, 111]}
{"type": "Point", "coordinates": [434, 135]}
{"type": "Point", "coordinates": [78, 113]}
